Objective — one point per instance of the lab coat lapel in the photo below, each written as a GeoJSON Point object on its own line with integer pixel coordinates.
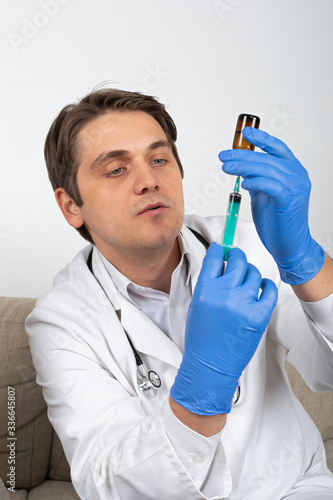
{"type": "Point", "coordinates": [146, 337]}
{"type": "Point", "coordinates": [197, 251]}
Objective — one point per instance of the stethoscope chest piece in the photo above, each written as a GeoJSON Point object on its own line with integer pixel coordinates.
{"type": "Point", "coordinates": [148, 383]}
{"type": "Point", "coordinates": [154, 379]}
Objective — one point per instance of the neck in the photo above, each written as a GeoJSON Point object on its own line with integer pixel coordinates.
{"type": "Point", "coordinates": [151, 271]}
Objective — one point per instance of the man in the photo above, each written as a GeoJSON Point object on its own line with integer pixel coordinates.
{"type": "Point", "coordinates": [139, 377]}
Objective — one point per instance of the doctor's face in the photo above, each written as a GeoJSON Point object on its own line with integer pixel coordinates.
{"type": "Point", "coordinates": [130, 184]}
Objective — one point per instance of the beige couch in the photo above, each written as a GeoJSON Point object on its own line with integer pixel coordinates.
{"type": "Point", "coordinates": [41, 469]}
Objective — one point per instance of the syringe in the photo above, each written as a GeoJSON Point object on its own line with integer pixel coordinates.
{"type": "Point", "coordinates": [235, 197]}
{"type": "Point", "coordinates": [231, 219]}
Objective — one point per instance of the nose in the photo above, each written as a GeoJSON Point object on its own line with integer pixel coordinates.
{"type": "Point", "coordinates": [146, 179]}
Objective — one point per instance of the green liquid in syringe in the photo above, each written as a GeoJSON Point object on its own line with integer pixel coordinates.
{"type": "Point", "coordinates": [231, 219]}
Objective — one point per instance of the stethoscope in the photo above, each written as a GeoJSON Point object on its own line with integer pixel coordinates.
{"type": "Point", "coordinates": [148, 382]}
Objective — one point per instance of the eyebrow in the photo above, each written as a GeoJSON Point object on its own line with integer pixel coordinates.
{"type": "Point", "coordinates": [109, 155]}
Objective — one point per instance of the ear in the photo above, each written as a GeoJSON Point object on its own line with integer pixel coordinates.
{"type": "Point", "coordinates": [70, 210]}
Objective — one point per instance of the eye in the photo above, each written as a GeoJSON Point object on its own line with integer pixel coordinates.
{"type": "Point", "coordinates": [115, 173]}
{"type": "Point", "coordinates": [159, 162]}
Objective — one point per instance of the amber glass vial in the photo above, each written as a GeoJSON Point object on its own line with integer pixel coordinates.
{"type": "Point", "coordinates": [244, 121]}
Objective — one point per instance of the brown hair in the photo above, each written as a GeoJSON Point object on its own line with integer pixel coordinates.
{"type": "Point", "coordinates": [62, 151]}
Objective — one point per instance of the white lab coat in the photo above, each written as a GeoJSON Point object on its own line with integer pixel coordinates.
{"type": "Point", "coordinates": [114, 437]}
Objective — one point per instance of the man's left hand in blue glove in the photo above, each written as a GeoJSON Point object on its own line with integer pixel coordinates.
{"type": "Point", "coordinates": [280, 188]}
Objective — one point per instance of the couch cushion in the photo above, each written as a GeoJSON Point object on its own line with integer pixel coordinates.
{"type": "Point", "coordinates": [33, 430]}
{"type": "Point", "coordinates": [329, 453]}
{"type": "Point", "coordinates": [59, 468]}
{"type": "Point", "coordinates": [53, 490]}
{"type": "Point", "coordinates": [3, 491]}
{"type": "Point", "coordinates": [17, 495]}
{"type": "Point", "coordinates": [318, 405]}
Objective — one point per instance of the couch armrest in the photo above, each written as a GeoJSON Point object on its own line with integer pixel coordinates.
{"type": "Point", "coordinates": [33, 430]}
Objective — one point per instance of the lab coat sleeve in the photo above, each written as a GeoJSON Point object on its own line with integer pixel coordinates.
{"type": "Point", "coordinates": [305, 330]}
{"type": "Point", "coordinates": [115, 449]}
{"type": "Point", "coordinates": [321, 314]}
{"type": "Point", "coordinates": [197, 453]}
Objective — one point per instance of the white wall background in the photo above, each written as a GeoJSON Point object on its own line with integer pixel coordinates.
{"type": "Point", "coordinates": [207, 60]}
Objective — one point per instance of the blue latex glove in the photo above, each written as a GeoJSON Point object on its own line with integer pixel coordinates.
{"type": "Point", "coordinates": [225, 323]}
{"type": "Point", "coordinates": [280, 189]}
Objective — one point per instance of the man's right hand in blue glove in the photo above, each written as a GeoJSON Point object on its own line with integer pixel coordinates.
{"type": "Point", "coordinates": [227, 317]}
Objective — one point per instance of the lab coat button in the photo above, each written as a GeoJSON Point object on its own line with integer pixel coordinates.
{"type": "Point", "coordinates": [198, 459]}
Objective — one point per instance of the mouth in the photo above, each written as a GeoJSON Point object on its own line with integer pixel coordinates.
{"type": "Point", "coordinates": [153, 209]}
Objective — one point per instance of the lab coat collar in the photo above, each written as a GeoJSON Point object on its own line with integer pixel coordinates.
{"type": "Point", "coordinates": [197, 253]}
